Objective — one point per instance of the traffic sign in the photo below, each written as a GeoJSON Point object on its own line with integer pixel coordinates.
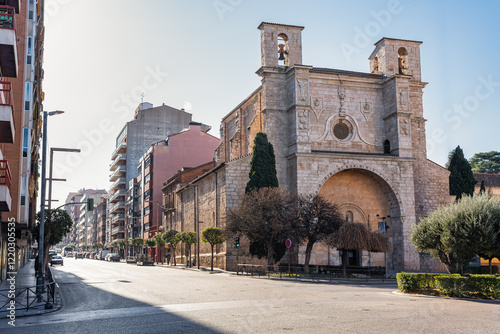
{"type": "Point", "coordinates": [288, 243]}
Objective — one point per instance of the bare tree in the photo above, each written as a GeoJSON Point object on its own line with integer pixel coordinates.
{"type": "Point", "coordinates": [319, 219]}
{"type": "Point", "coordinates": [267, 214]}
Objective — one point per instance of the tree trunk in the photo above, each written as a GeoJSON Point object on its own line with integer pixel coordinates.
{"type": "Point", "coordinates": [270, 257]}
{"type": "Point", "coordinates": [489, 265]}
{"type": "Point", "coordinates": [175, 262]}
{"type": "Point", "coordinates": [189, 251]}
{"type": "Point", "coordinates": [212, 259]}
{"type": "Point", "coordinates": [345, 259]}
{"type": "Point", "coordinates": [309, 247]}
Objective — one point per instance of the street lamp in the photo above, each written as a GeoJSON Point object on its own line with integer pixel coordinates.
{"type": "Point", "coordinates": [58, 149]}
{"type": "Point", "coordinates": [383, 226]}
{"type": "Point", "coordinates": [40, 277]}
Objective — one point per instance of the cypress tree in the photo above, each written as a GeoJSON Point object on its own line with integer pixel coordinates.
{"type": "Point", "coordinates": [461, 177]}
{"type": "Point", "coordinates": [263, 165]}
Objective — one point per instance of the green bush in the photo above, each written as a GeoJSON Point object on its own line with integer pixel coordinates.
{"type": "Point", "coordinates": [413, 282]}
{"type": "Point", "coordinates": [476, 286]}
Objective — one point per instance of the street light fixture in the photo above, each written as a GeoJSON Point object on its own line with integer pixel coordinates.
{"type": "Point", "coordinates": [41, 236]}
{"type": "Point", "coordinates": [52, 150]}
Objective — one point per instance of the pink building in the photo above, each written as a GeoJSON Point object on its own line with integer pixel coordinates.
{"type": "Point", "coordinates": [187, 149]}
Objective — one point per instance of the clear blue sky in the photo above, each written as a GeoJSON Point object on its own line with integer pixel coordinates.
{"type": "Point", "coordinates": [203, 54]}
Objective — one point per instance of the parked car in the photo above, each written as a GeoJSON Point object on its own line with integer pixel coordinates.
{"type": "Point", "coordinates": [102, 254]}
{"type": "Point", "coordinates": [69, 254]}
{"type": "Point", "coordinates": [56, 259]}
{"type": "Point", "coordinates": [52, 253]}
{"type": "Point", "coordinates": [113, 257]}
{"type": "Point", "coordinates": [78, 255]}
{"type": "Point", "coordinates": [93, 255]}
{"type": "Point", "coordinates": [87, 255]}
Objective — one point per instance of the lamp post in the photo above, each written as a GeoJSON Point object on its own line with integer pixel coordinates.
{"type": "Point", "coordinates": [384, 225]}
{"type": "Point", "coordinates": [40, 277]}
{"type": "Point", "coordinates": [52, 150]}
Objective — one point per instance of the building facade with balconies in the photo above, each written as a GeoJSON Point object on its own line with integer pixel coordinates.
{"type": "Point", "coordinates": [182, 150]}
{"type": "Point", "coordinates": [21, 96]}
{"type": "Point", "coordinates": [150, 125]}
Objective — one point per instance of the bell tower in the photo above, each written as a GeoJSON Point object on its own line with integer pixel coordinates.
{"type": "Point", "coordinates": [281, 45]}
{"type": "Point", "coordinates": [396, 56]}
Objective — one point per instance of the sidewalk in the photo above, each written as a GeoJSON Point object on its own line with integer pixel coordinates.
{"type": "Point", "coordinates": [25, 278]}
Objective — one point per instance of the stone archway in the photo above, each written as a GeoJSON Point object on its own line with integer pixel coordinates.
{"type": "Point", "coordinates": [363, 194]}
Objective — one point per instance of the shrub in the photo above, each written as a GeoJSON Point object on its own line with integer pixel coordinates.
{"type": "Point", "coordinates": [476, 286]}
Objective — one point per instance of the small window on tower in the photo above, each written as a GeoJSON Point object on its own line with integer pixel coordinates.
{"type": "Point", "coordinates": [283, 50]}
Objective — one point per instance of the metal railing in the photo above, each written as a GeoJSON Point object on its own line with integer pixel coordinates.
{"type": "Point", "coordinates": [7, 17]}
{"type": "Point", "coordinates": [26, 298]}
{"type": "Point", "coordinates": [5, 92]}
{"type": "Point", "coordinates": [5, 177]}
{"type": "Point", "coordinates": [315, 272]}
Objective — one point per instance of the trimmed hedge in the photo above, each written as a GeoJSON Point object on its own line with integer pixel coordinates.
{"type": "Point", "coordinates": [476, 286]}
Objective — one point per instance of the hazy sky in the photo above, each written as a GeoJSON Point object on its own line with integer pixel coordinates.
{"type": "Point", "coordinates": [101, 55]}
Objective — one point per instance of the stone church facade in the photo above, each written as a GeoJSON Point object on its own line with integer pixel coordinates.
{"type": "Point", "coordinates": [356, 138]}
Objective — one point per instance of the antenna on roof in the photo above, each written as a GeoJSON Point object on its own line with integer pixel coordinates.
{"type": "Point", "coordinates": [142, 98]}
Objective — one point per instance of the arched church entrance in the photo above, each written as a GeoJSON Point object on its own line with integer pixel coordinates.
{"type": "Point", "coordinates": [365, 197]}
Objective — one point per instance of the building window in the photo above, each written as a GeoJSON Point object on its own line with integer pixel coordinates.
{"type": "Point", "coordinates": [147, 178]}
{"type": "Point", "coordinates": [148, 161]}
{"type": "Point", "coordinates": [349, 217]}
{"type": "Point", "coordinates": [387, 147]}
{"type": "Point", "coordinates": [25, 142]}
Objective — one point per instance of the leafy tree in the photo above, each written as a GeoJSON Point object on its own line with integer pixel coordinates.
{"type": "Point", "coordinates": [462, 180]}
{"type": "Point", "coordinates": [150, 242]}
{"type": "Point", "coordinates": [137, 242]}
{"type": "Point", "coordinates": [172, 238]}
{"type": "Point", "coordinates": [213, 236]}
{"type": "Point", "coordinates": [356, 236]}
{"type": "Point", "coordinates": [263, 165]}
{"type": "Point", "coordinates": [318, 219]}
{"type": "Point", "coordinates": [456, 233]}
{"type": "Point", "coordinates": [188, 238]}
{"type": "Point", "coordinates": [57, 224]}
{"type": "Point", "coordinates": [486, 162]}
{"type": "Point", "coordinates": [160, 245]}
{"type": "Point", "coordinates": [267, 215]}
{"type": "Point", "coordinates": [259, 248]}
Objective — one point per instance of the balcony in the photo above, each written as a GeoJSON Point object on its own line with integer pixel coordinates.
{"type": "Point", "coordinates": [120, 160]}
{"type": "Point", "coordinates": [118, 229]}
{"type": "Point", "coordinates": [120, 183]}
{"type": "Point", "coordinates": [7, 130]}
{"type": "Point", "coordinates": [120, 206]}
{"type": "Point", "coordinates": [118, 239]}
{"type": "Point", "coordinates": [13, 3]}
{"type": "Point", "coordinates": [121, 171]}
{"type": "Point", "coordinates": [121, 148]}
{"type": "Point", "coordinates": [118, 217]}
{"type": "Point", "coordinates": [119, 195]}
{"type": "Point", "coordinates": [5, 178]}
{"type": "Point", "coordinates": [8, 48]}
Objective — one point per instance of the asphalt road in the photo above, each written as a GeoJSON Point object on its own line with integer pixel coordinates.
{"type": "Point", "coordinates": [103, 297]}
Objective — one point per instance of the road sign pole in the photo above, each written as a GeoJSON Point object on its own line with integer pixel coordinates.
{"type": "Point", "coordinates": [288, 243]}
